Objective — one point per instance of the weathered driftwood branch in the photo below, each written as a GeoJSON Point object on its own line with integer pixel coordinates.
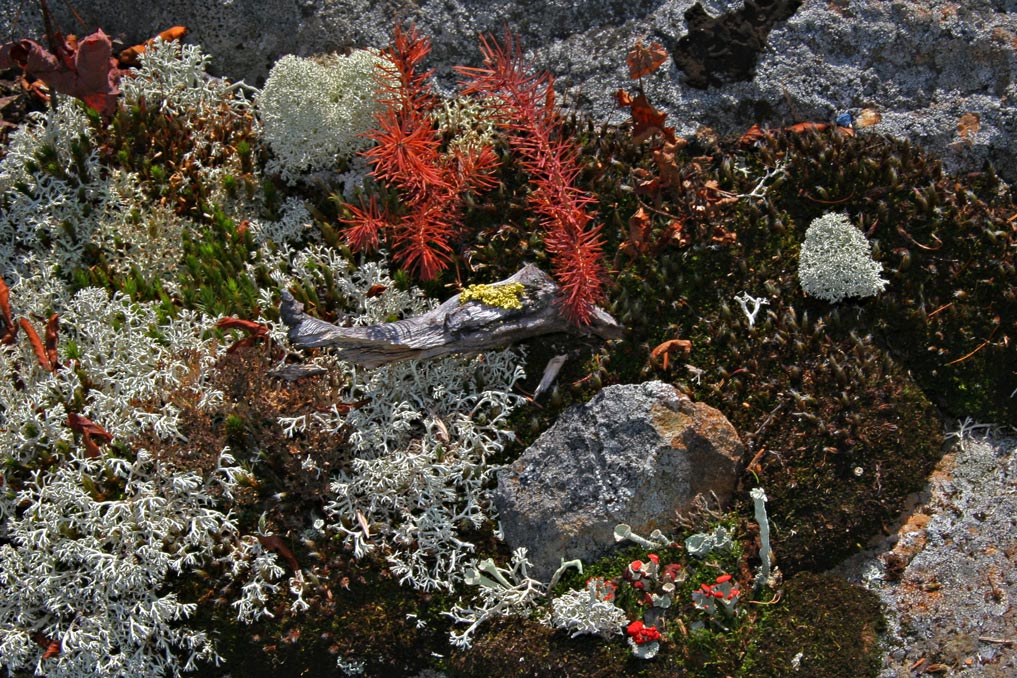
{"type": "Point", "coordinates": [453, 327]}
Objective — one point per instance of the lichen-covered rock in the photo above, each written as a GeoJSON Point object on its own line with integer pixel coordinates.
{"type": "Point", "coordinates": [634, 454]}
{"type": "Point", "coordinates": [946, 577]}
{"type": "Point", "coordinates": [923, 64]}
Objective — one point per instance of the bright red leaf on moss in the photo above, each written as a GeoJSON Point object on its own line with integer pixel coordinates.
{"type": "Point", "coordinates": [52, 647]}
{"type": "Point", "coordinates": [37, 345]}
{"type": "Point", "coordinates": [254, 331]}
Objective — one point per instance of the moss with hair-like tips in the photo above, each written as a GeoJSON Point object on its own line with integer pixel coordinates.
{"type": "Point", "coordinates": [823, 626]}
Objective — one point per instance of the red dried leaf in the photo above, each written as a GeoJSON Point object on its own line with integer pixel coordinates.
{"type": "Point", "coordinates": [249, 326]}
{"type": "Point", "coordinates": [343, 408]}
{"type": "Point", "coordinates": [254, 330]}
{"type": "Point", "coordinates": [9, 327]}
{"type": "Point", "coordinates": [751, 136]}
{"type": "Point", "coordinates": [640, 225]}
{"type": "Point", "coordinates": [643, 60]}
{"type": "Point", "coordinates": [52, 646]}
{"type": "Point", "coordinates": [37, 346]}
{"type": "Point", "coordinates": [646, 119]}
{"type": "Point", "coordinates": [675, 233]}
{"type": "Point", "coordinates": [130, 56]}
{"type": "Point", "coordinates": [52, 330]}
{"type": "Point", "coordinates": [669, 347]}
{"type": "Point", "coordinates": [801, 127]}
{"type": "Point", "coordinates": [85, 71]}
{"type": "Point", "coordinates": [274, 543]}
{"type": "Point", "coordinates": [89, 432]}
{"type": "Point", "coordinates": [52, 649]}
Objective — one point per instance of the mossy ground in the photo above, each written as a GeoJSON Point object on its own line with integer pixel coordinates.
{"type": "Point", "coordinates": [841, 407]}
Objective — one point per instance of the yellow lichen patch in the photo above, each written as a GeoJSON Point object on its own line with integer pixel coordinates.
{"type": "Point", "coordinates": [507, 295]}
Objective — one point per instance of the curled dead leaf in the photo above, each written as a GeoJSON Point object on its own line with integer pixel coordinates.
{"type": "Point", "coordinates": [37, 345]}
{"type": "Point", "coordinates": [867, 117]}
{"type": "Point", "coordinates": [52, 647]}
{"type": "Point", "coordinates": [751, 136]}
{"type": "Point", "coordinates": [131, 55]}
{"type": "Point", "coordinates": [643, 60]}
{"type": "Point", "coordinates": [90, 433]}
{"type": "Point", "coordinates": [671, 346]}
{"type": "Point", "coordinates": [254, 330]}
{"type": "Point", "coordinates": [84, 69]}
{"type": "Point", "coordinates": [639, 231]}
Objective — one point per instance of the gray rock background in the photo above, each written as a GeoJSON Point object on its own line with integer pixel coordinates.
{"type": "Point", "coordinates": [921, 63]}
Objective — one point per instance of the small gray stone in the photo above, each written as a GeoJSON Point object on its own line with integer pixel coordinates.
{"type": "Point", "coordinates": [634, 454]}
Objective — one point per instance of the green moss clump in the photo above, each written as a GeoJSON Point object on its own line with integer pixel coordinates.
{"type": "Point", "coordinates": [833, 624]}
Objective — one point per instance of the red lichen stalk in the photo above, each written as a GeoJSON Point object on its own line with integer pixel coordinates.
{"type": "Point", "coordinates": [526, 100]}
{"type": "Point", "coordinates": [408, 157]}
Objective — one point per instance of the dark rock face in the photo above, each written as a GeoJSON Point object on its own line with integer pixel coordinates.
{"type": "Point", "coordinates": [634, 454]}
{"type": "Point", "coordinates": [724, 49]}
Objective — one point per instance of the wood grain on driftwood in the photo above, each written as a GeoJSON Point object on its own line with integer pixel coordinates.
{"type": "Point", "coordinates": [453, 327]}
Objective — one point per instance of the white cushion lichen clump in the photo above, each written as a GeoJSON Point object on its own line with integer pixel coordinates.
{"type": "Point", "coordinates": [314, 111]}
{"type": "Point", "coordinates": [836, 261]}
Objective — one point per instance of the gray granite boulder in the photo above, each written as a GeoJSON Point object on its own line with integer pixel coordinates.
{"type": "Point", "coordinates": [923, 64]}
{"type": "Point", "coordinates": [634, 454]}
